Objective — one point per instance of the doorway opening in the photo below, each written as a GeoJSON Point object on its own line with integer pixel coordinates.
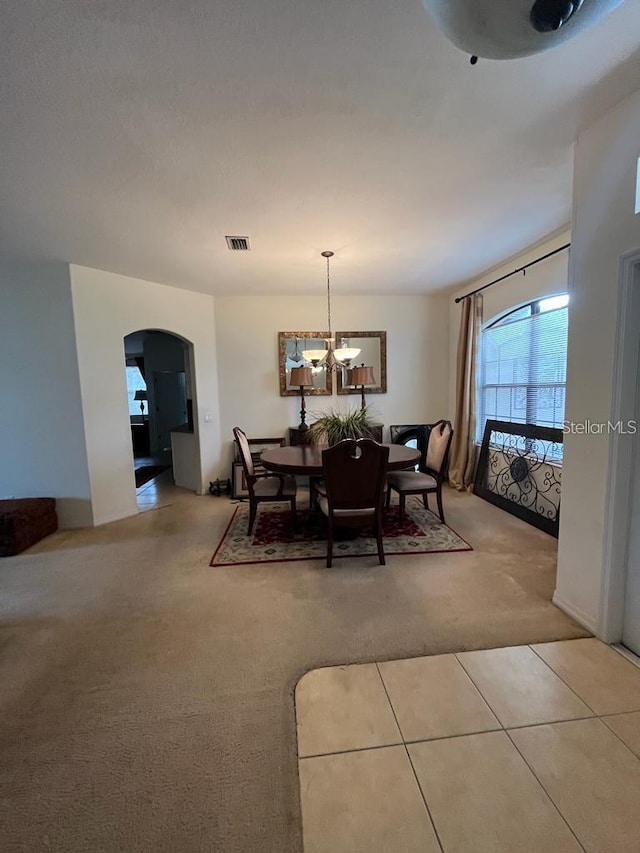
{"type": "Point", "coordinates": [158, 366]}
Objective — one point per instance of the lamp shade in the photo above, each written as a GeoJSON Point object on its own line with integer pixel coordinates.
{"type": "Point", "coordinates": [362, 376]}
{"type": "Point", "coordinates": [346, 354]}
{"type": "Point", "coordinates": [315, 355]}
{"type": "Point", "coordinates": [301, 376]}
{"type": "Point", "coordinates": [141, 394]}
{"type": "Point", "coordinates": [508, 29]}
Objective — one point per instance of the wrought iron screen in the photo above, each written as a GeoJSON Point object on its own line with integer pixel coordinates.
{"type": "Point", "coordinates": [518, 471]}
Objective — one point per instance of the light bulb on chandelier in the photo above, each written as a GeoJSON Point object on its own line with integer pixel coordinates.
{"type": "Point", "coordinates": [330, 358]}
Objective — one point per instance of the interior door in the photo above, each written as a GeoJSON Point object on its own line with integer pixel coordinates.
{"type": "Point", "coordinates": [170, 400]}
{"type": "Point", "coordinates": [631, 624]}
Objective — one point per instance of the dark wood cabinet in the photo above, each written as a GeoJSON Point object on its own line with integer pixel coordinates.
{"type": "Point", "coordinates": [298, 436]}
{"type": "Point", "coordinates": [140, 439]}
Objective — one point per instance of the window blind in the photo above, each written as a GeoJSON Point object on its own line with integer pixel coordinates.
{"type": "Point", "coordinates": [524, 366]}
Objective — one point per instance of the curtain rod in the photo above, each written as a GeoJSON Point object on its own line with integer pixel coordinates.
{"type": "Point", "coordinates": [520, 269]}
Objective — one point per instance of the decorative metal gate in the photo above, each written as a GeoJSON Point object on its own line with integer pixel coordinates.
{"type": "Point", "coordinates": [519, 471]}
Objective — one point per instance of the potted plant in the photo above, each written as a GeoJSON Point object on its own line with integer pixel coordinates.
{"type": "Point", "coordinates": [332, 427]}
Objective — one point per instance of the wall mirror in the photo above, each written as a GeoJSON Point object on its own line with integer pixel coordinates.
{"type": "Point", "coordinates": [373, 353]}
{"type": "Point", "coordinates": [290, 348]}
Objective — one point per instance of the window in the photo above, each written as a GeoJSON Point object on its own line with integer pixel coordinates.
{"type": "Point", "coordinates": [524, 365]}
{"type": "Point", "coordinates": [135, 382]}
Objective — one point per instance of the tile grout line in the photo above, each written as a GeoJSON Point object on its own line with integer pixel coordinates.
{"type": "Point", "coordinates": [349, 751]}
{"type": "Point", "coordinates": [412, 741]}
{"type": "Point", "coordinates": [413, 769]}
{"type": "Point", "coordinates": [547, 794]}
{"type": "Point", "coordinates": [613, 732]}
{"type": "Point", "coordinates": [477, 689]}
{"type": "Point", "coordinates": [495, 713]}
{"type": "Point", "coordinates": [557, 674]}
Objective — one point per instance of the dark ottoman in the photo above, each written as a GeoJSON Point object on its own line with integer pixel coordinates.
{"type": "Point", "coordinates": [25, 521]}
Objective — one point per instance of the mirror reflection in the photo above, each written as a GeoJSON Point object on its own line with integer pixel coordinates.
{"type": "Point", "coordinates": [373, 353]}
{"type": "Point", "coordinates": [291, 346]}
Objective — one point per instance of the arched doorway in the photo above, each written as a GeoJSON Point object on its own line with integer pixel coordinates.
{"type": "Point", "coordinates": [159, 369]}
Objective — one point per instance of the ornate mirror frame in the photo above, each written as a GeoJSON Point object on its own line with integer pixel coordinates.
{"type": "Point", "coordinates": [283, 338]}
{"type": "Point", "coordinates": [380, 371]}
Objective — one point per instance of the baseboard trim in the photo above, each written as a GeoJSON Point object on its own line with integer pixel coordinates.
{"type": "Point", "coordinates": [586, 621]}
{"type": "Point", "coordinates": [626, 653]}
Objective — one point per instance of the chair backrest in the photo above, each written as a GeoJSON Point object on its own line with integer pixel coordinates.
{"type": "Point", "coordinates": [354, 472]}
{"type": "Point", "coordinates": [245, 455]}
{"type": "Point", "coordinates": [438, 448]}
{"type": "Point", "coordinates": [413, 435]}
{"type": "Point", "coordinates": [403, 433]}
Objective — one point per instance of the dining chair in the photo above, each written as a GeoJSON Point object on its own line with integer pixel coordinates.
{"type": "Point", "coordinates": [265, 487]}
{"type": "Point", "coordinates": [431, 473]}
{"type": "Point", "coordinates": [354, 472]}
{"type": "Point", "coordinates": [412, 435]}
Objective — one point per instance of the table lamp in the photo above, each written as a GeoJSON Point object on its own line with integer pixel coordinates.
{"type": "Point", "coordinates": [359, 377]}
{"type": "Point", "coordinates": [141, 395]}
{"type": "Point", "coordinates": [303, 378]}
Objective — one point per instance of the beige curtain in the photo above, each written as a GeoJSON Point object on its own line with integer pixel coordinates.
{"type": "Point", "coordinates": [463, 447]}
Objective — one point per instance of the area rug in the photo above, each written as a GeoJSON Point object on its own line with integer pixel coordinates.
{"type": "Point", "coordinates": [273, 539]}
{"type": "Point", "coordinates": [148, 472]}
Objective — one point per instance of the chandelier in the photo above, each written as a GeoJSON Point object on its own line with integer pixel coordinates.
{"type": "Point", "coordinates": [330, 358]}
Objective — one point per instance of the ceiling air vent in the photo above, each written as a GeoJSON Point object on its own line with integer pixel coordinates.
{"type": "Point", "coordinates": [238, 244]}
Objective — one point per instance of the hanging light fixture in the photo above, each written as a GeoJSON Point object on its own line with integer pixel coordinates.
{"type": "Point", "coordinates": [510, 29]}
{"type": "Point", "coordinates": [296, 356]}
{"type": "Point", "coordinates": [330, 358]}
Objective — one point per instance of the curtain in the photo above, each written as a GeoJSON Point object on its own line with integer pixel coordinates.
{"type": "Point", "coordinates": [463, 447]}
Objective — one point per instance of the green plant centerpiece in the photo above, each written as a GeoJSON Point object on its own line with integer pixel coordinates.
{"type": "Point", "coordinates": [332, 427]}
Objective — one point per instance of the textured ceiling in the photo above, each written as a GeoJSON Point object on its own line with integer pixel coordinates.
{"type": "Point", "coordinates": [136, 134]}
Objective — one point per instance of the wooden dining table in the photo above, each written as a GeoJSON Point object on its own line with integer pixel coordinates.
{"type": "Point", "coordinates": [306, 459]}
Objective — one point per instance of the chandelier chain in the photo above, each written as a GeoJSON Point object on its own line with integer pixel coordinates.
{"type": "Point", "coordinates": [328, 298]}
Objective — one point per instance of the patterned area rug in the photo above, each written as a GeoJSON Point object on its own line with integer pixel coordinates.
{"type": "Point", "coordinates": [273, 539]}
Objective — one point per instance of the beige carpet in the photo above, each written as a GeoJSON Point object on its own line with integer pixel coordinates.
{"type": "Point", "coordinates": [146, 699]}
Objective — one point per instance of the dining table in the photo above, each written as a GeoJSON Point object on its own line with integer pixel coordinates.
{"type": "Point", "coordinates": [306, 459]}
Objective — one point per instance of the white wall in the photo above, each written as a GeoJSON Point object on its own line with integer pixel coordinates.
{"type": "Point", "coordinates": [42, 447]}
{"type": "Point", "coordinates": [604, 228]}
{"type": "Point", "coordinates": [547, 278]}
{"type": "Point", "coordinates": [107, 307]}
{"type": "Point", "coordinates": [247, 334]}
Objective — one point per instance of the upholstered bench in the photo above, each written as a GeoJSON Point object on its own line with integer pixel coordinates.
{"type": "Point", "coordinates": [25, 521]}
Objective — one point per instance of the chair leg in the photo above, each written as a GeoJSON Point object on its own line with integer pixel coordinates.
{"type": "Point", "coordinates": [379, 540]}
{"type": "Point", "coordinates": [294, 514]}
{"type": "Point", "coordinates": [439, 500]}
{"type": "Point", "coordinates": [402, 501]}
{"type": "Point", "coordinates": [329, 542]}
{"type": "Point", "coordinates": [253, 506]}
{"type": "Point", "coordinates": [425, 500]}
{"type": "Point", "coordinates": [388, 503]}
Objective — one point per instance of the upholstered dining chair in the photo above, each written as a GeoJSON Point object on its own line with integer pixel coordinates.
{"type": "Point", "coordinates": [354, 472]}
{"type": "Point", "coordinates": [431, 473]}
{"type": "Point", "coordinates": [263, 487]}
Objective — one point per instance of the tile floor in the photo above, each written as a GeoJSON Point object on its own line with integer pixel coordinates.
{"type": "Point", "coordinates": [529, 749]}
{"type": "Point", "coordinates": [156, 492]}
